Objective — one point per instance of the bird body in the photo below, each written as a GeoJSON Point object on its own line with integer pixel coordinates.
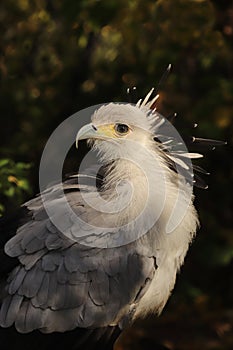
{"type": "Point", "coordinates": [110, 259]}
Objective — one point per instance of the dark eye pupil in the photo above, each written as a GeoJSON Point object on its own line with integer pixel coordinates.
{"type": "Point", "coordinates": [122, 128]}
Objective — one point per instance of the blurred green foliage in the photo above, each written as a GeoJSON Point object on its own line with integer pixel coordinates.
{"type": "Point", "coordinates": [13, 182]}
{"type": "Point", "coordinates": [57, 57]}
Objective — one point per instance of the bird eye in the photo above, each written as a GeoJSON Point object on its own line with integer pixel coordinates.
{"type": "Point", "coordinates": [121, 128]}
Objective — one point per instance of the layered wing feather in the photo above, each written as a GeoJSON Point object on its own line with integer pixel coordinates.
{"type": "Point", "coordinates": [60, 284]}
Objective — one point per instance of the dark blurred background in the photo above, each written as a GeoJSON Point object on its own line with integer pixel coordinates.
{"type": "Point", "coordinates": [57, 57]}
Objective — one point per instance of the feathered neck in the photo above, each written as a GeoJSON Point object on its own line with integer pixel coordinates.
{"type": "Point", "coordinates": [138, 185]}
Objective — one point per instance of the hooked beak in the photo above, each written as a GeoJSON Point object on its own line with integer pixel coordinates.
{"type": "Point", "coordinates": [102, 132]}
{"type": "Point", "coordinates": [88, 131]}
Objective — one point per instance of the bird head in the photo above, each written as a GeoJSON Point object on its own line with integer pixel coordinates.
{"type": "Point", "coordinates": [120, 130]}
{"type": "Point", "coordinates": [117, 129]}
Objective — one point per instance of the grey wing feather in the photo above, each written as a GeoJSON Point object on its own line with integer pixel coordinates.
{"type": "Point", "coordinates": [29, 260]}
{"type": "Point", "coordinates": [61, 284]}
{"type": "Point", "coordinates": [28, 318]}
{"type": "Point", "coordinates": [9, 310]}
{"type": "Point", "coordinates": [17, 280]}
{"type": "Point", "coordinates": [98, 294]}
